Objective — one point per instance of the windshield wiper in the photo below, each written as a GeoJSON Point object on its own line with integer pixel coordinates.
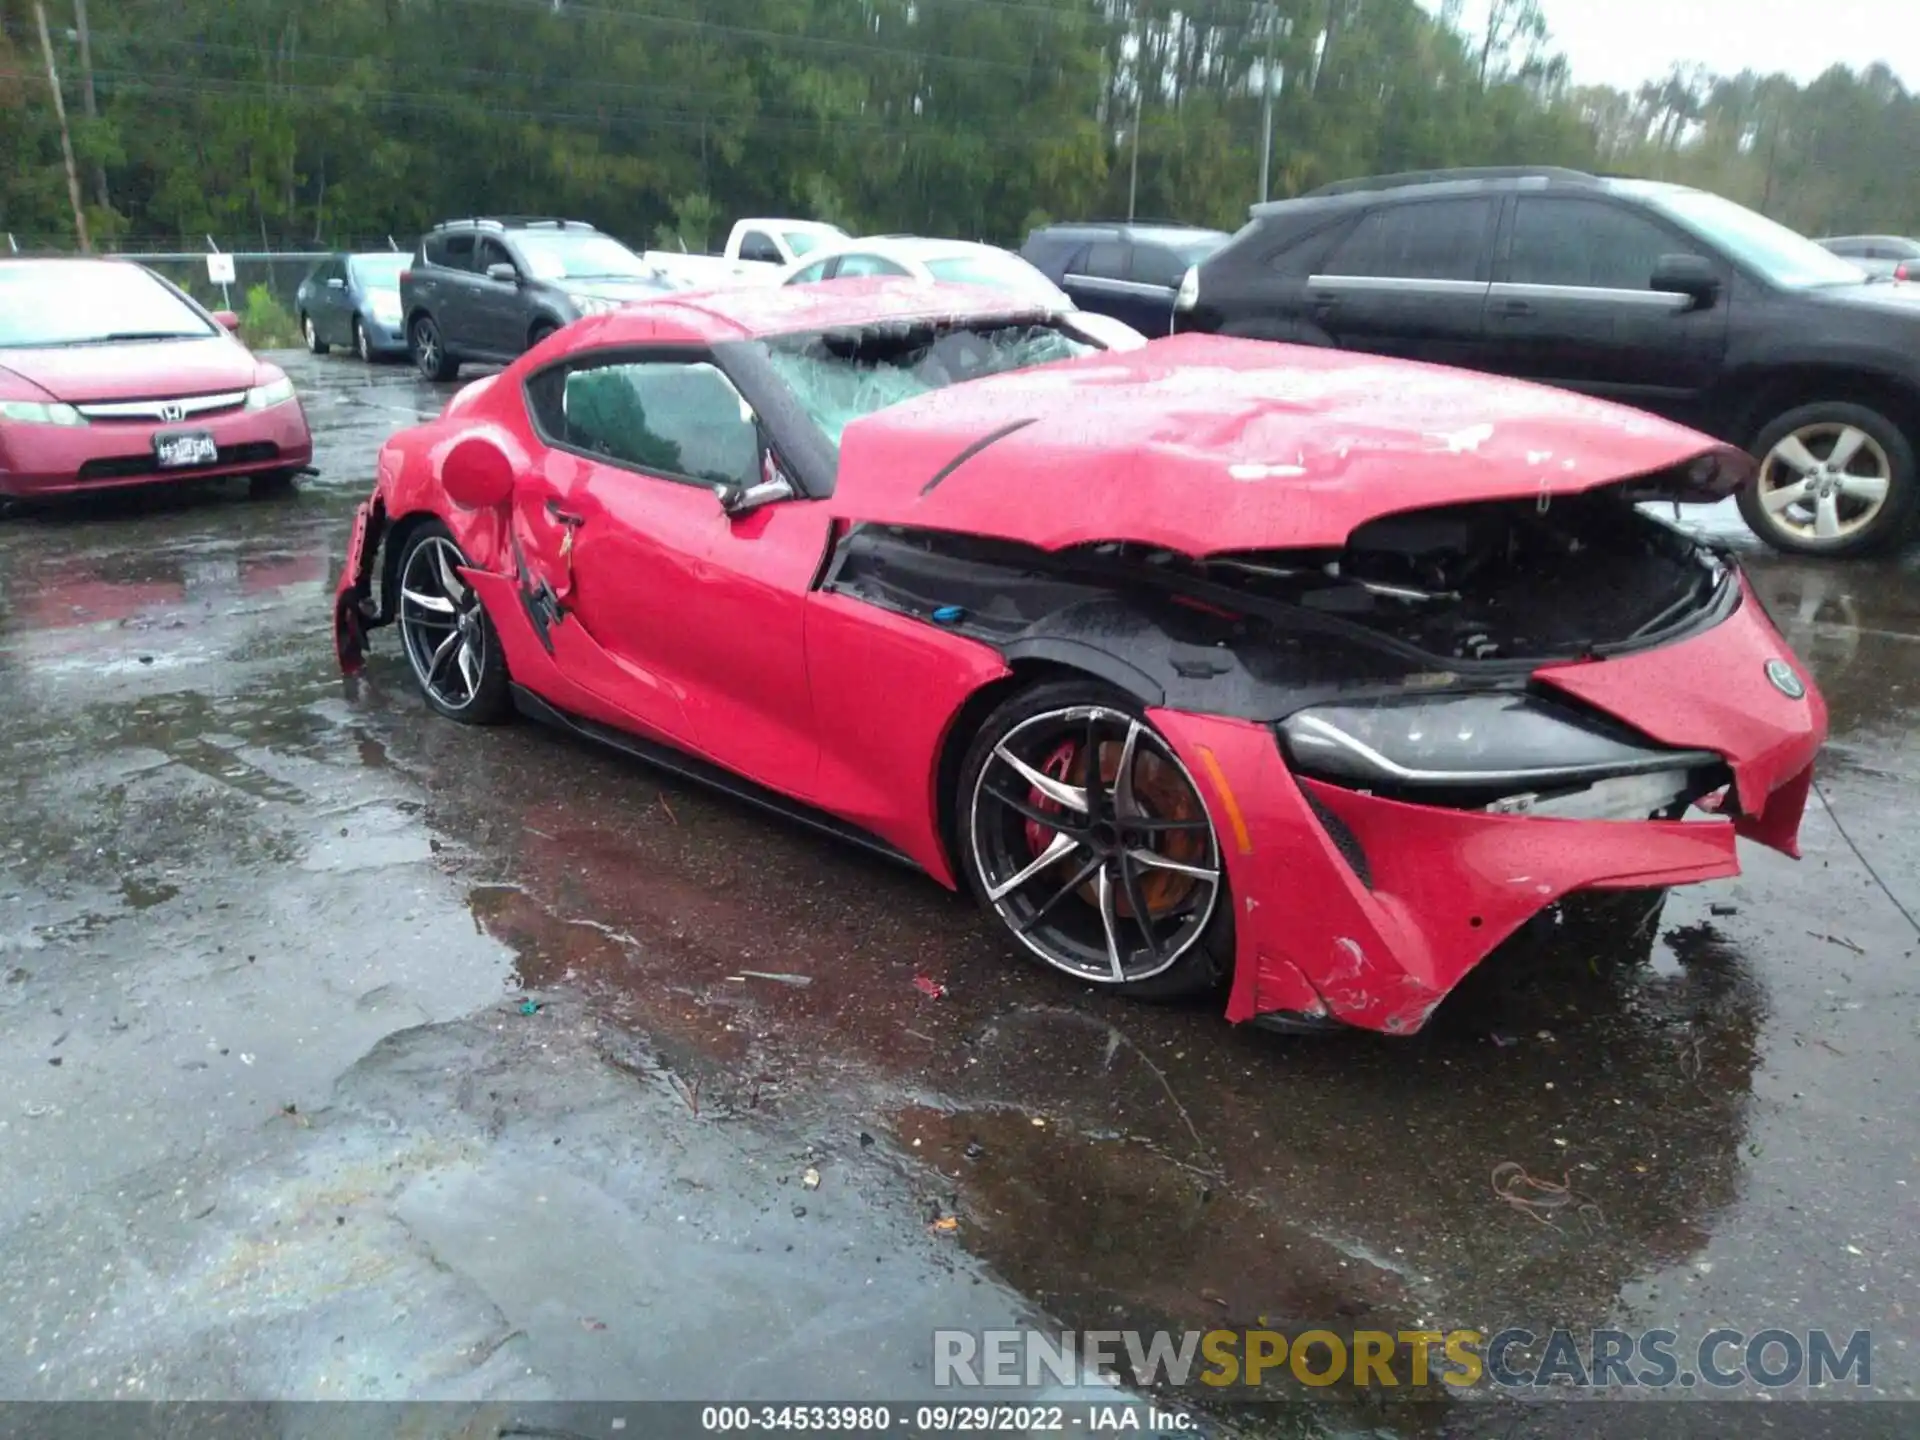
{"type": "Point", "coordinates": [116, 336]}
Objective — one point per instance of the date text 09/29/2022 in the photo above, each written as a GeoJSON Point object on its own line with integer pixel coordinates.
{"type": "Point", "coordinates": [1092, 1418]}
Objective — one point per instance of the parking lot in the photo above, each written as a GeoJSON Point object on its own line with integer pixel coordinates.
{"type": "Point", "coordinates": [355, 1054]}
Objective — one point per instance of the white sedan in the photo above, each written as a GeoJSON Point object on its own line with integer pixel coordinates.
{"type": "Point", "coordinates": [956, 262]}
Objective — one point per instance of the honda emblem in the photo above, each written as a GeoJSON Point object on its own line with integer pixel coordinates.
{"type": "Point", "coordinates": [172, 412]}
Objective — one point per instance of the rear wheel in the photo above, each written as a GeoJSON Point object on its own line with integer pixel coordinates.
{"type": "Point", "coordinates": [1835, 479]}
{"type": "Point", "coordinates": [312, 336]}
{"type": "Point", "coordinates": [450, 643]}
{"type": "Point", "coordinates": [430, 350]}
{"type": "Point", "coordinates": [360, 345]}
{"type": "Point", "coordinates": [1084, 835]}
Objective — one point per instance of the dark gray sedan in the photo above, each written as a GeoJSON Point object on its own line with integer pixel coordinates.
{"type": "Point", "coordinates": [353, 300]}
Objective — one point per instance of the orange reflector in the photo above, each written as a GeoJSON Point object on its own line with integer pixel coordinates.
{"type": "Point", "coordinates": [1232, 806]}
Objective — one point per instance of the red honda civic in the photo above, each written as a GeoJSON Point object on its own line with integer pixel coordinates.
{"type": "Point", "coordinates": [110, 376]}
{"type": "Point", "coordinates": [1204, 664]}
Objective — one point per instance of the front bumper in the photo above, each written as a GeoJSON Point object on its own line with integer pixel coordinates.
{"type": "Point", "coordinates": [48, 460]}
{"type": "Point", "coordinates": [1369, 910]}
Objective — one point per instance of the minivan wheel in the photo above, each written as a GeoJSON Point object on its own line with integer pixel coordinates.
{"type": "Point", "coordinates": [430, 351]}
{"type": "Point", "coordinates": [1835, 479]}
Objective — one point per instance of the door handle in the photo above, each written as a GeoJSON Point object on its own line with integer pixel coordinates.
{"type": "Point", "coordinates": [1516, 307]}
{"type": "Point", "coordinates": [564, 517]}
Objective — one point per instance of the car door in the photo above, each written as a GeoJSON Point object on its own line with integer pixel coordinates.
{"type": "Point", "coordinates": [454, 293]}
{"type": "Point", "coordinates": [502, 320]}
{"type": "Point", "coordinates": [1155, 273]}
{"type": "Point", "coordinates": [1410, 279]}
{"type": "Point", "coordinates": [1572, 305]}
{"type": "Point", "coordinates": [1098, 278]}
{"type": "Point", "coordinates": [329, 305]}
{"type": "Point", "coordinates": [688, 620]}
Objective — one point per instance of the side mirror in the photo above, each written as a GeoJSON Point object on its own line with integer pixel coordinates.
{"type": "Point", "coordinates": [336, 283]}
{"type": "Point", "coordinates": [738, 500]}
{"type": "Point", "coordinates": [477, 474]}
{"type": "Point", "coordinates": [505, 274]}
{"type": "Point", "coordinates": [227, 321]}
{"type": "Point", "coordinates": [1694, 276]}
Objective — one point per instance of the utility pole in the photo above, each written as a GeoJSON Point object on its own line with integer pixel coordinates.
{"type": "Point", "coordinates": [1277, 28]}
{"type": "Point", "coordinates": [88, 101]}
{"type": "Point", "coordinates": [1133, 173]}
{"type": "Point", "coordinates": [66, 136]}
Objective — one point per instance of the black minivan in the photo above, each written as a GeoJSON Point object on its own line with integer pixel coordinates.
{"type": "Point", "coordinates": [1131, 272]}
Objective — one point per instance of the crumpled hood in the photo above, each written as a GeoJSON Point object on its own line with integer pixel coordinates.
{"type": "Point", "coordinates": [135, 369]}
{"type": "Point", "coordinates": [1200, 444]}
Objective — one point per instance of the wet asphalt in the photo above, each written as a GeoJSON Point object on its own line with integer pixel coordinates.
{"type": "Point", "coordinates": [350, 1053]}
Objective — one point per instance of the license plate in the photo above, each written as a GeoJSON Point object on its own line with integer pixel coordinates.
{"type": "Point", "coordinates": [184, 448]}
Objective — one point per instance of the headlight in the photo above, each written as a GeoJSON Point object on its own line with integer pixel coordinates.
{"type": "Point", "coordinates": [385, 307]}
{"type": "Point", "coordinates": [1470, 741]}
{"type": "Point", "coordinates": [32, 412]}
{"type": "Point", "coordinates": [274, 392]}
{"type": "Point", "coordinates": [593, 304]}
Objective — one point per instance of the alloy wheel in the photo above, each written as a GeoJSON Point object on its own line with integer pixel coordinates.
{"type": "Point", "coordinates": [1093, 845]}
{"type": "Point", "coordinates": [442, 625]}
{"type": "Point", "coordinates": [426, 346]}
{"type": "Point", "coordinates": [1825, 481]}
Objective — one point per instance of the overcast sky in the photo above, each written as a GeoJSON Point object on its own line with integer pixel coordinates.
{"type": "Point", "coordinates": [1626, 42]}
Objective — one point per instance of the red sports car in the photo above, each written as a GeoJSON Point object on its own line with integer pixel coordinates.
{"type": "Point", "coordinates": [1304, 674]}
{"type": "Point", "coordinates": [110, 376]}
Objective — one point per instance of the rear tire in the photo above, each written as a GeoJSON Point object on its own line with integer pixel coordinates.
{"type": "Point", "coordinates": [1865, 502]}
{"type": "Point", "coordinates": [430, 350]}
{"type": "Point", "coordinates": [1138, 842]}
{"type": "Point", "coordinates": [308, 333]}
{"type": "Point", "coordinates": [449, 640]}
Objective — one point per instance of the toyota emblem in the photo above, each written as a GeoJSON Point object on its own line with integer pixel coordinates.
{"type": "Point", "coordinates": [1784, 680]}
{"type": "Point", "coordinates": [171, 413]}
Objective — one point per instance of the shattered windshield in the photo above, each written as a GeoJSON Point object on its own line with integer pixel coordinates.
{"type": "Point", "coordinates": [838, 376]}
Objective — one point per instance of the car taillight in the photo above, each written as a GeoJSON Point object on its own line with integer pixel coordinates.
{"type": "Point", "coordinates": [1903, 271]}
{"type": "Point", "coordinates": [1189, 295]}
{"type": "Point", "coordinates": [405, 275]}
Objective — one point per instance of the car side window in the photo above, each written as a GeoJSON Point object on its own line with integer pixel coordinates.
{"type": "Point", "coordinates": [1587, 243]}
{"type": "Point", "coordinates": [808, 274]}
{"type": "Point", "coordinates": [1157, 265]}
{"type": "Point", "coordinates": [758, 245]}
{"type": "Point", "coordinates": [1422, 240]}
{"type": "Point", "coordinates": [672, 418]}
{"type": "Point", "coordinates": [456, 252]}
{"type": "Point", "coordinates": [1102, 260]}
{"type": "Point", "coordinates": [857, 265]}
{"type": "Point", "coordinates": [491, 252]}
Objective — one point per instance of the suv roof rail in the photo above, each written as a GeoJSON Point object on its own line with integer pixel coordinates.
{"type": "Point", "coordinates": [1139, 222]}
{"type": "Point", "coordinates": [1441, 177]}
{"type": "Point", "coordinates": [516, 222]}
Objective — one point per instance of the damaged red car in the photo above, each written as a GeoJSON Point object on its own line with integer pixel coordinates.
{"type": "Point", "coordinates": [1210, 664]}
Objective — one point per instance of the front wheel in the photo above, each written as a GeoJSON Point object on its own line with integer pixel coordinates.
{"type": "Point", "coordinates": [539, 333]}
{"type": "Point", "coordinates": [430, 350]}
{"type": "Point", "coordinates": [1835, 479]}
{"type": "Point", "coordinates": [312, 336]}
{"type": "Point", "coordinates": [360, 345]}
{"type": "Point", "coordinates": [450, 643]}
{"type": "Point", "coordinates": [1082, 833]}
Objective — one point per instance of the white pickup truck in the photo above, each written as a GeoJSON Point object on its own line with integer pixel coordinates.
{"type": "Point", "coordinates": [758, 253]}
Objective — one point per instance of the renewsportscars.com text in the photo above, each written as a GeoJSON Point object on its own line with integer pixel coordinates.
{"type": "Point", "coordinates": [1772, 1358]}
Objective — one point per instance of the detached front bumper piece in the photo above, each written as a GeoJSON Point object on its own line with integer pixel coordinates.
{"type": "Point", "coordinates": [1369, 908]}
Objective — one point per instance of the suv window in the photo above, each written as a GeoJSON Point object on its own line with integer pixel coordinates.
{"type": "Point", "coordinates": [1103, 260]}
{"type": "Point", "coordinates": [758, 245]}
{"type": "Point", "coordinates": [455, 250]}
{"type": "Point", "coordinates": [491, 252]}
{"type": "Point", "coordinates": [1420, 240]}
{"type": "Point", "coordinates": [666, 417]}
{"type": "Point", "coordinates": [1157, 265]}
{"type": "Point", "coordinates": [1589, 243]}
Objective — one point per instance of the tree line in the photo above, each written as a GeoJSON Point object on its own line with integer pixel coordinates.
{"type": "Point", "coordinates": [304, 123]}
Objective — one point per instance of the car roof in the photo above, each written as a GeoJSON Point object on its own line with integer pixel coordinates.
{"type": "Point", "coordinates": [912, 247]}
{"type": "Point", "coordinates": [763, 312]}
{"type": "Point", "coordinates": [1153, 232]}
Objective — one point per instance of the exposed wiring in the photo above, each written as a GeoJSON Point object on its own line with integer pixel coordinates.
{"type": "Point", "coordinates": [1861, 856]}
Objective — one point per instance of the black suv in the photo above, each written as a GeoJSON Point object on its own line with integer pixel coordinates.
{"type": "Point", "coordinates": [1671, 299]}
{"type": "Point", "coordinates": [487, 290]}
{"type": "Point", "coordinates": [1118, 268]}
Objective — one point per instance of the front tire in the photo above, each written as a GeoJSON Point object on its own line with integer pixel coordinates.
{"type": "Point", "coordinates": [540, 332]}
{"type": "Point", "coordinates": [1110, 873]}
{"type": "Point", "coordinates": [1835, 479]}
{"type": "Point", "coordinates": [315, 344]}
{"type": "Point", "coordinates": [430, 350]}
{"type": "Point", "coordinates": [360, 345]}
{"type": "Point", "coordinates": [450, 642]}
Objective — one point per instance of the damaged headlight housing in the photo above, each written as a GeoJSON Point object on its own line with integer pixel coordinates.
{"type": "Point", "coordinates": [1468, 742]}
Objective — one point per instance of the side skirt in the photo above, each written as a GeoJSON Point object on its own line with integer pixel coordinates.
{"type": "Point", "coordinates": [690, 767]}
